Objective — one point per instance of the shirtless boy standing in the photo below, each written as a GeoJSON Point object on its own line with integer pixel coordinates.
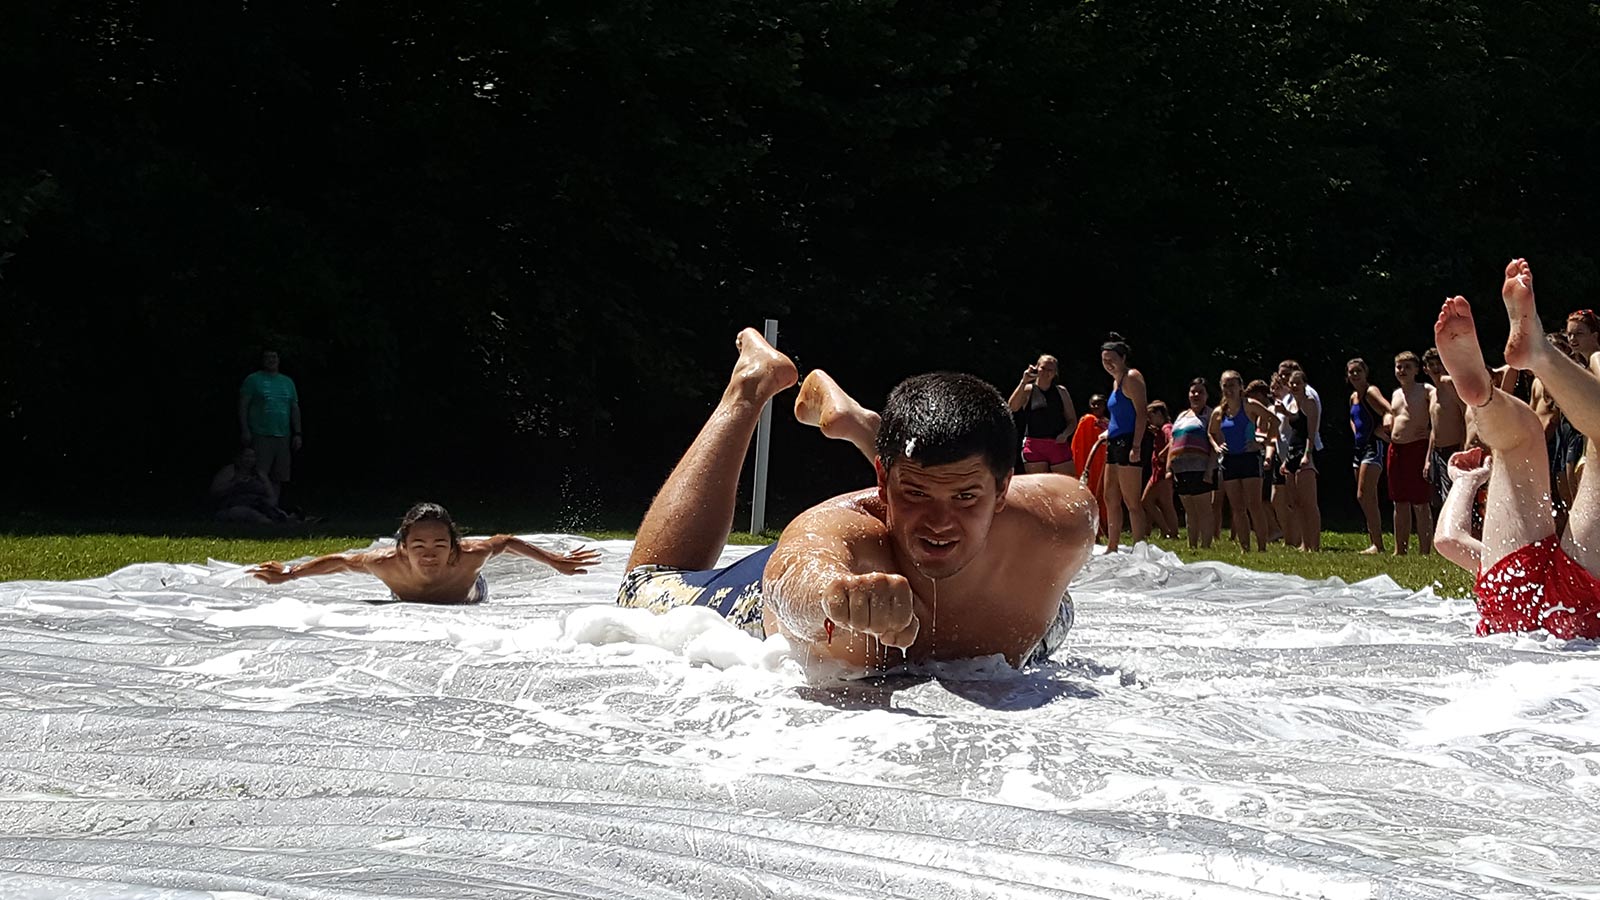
{"type": "Point", "coordinates": [1448, 416]}
{"type": "Point", "coordinates": [430, 562]}
{"type": "Point", "coordinates": [1408, 456]}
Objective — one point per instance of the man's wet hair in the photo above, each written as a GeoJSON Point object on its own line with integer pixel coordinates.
{"type": "Point", "coordinates": [429, 512]}
{"type": "Point", "coordinates": [1409, 356]}
{"type": "Point", "coordinates": [945, 417]}
{"type": "Point", "coordinates": [1257, 388]}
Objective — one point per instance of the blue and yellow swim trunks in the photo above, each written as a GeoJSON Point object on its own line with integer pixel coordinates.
{"type": "Point", "coordinates": [733, 591]}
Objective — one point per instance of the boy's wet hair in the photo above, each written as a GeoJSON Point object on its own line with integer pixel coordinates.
{"type": "Point", "coordinates": [1408, 356]}
{"type": "Point", "coordinates": [1159, 406]}
{"type": "Point", "coordinates": [1257, 388]}
{"type": "Point", "coordinates": [1430, 354]}
{"type": "Point", "coordinates": [429, 512]}
{"type": "Point", "coordinates": [945, 417]}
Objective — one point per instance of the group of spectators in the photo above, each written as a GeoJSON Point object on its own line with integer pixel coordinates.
{"type": "Point", "coordinates": [1255, 456]}
{"type": "Point", "coordinates": [249, 490]}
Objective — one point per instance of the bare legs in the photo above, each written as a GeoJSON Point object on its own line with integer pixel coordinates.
{"type": "Point", "coordinates": [1244, 498]}
{"type": "Point", "coordinates": [1518, 509]}
{"type": "Point", "coordinates": [1367, 495]}
{"type": "Point", "coordinates": [1288, 515]}
{"type": "Point", "coordinates": [1122, 488]}
{"type": "Point", "coordinates": [1158, 507]}
{"type": "Point", "coordinates": [1403, 514]}
{"type": "Point", "coordinates": [1575, 388]}
{"type": "Point", "coordinates": [689, 520]}
{"type": "Point", "coordinates": [1302, 487]}
{"type": "Point", "coordinates": [1197, 512]}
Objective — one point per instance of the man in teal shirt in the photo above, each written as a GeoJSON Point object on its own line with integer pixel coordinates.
{"type": "Point", "coordinates": [269, 420]}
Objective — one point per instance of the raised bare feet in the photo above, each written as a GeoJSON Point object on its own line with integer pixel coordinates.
{"type": "Point", "coordinates": [1527, 332]}
{"type": "Point", "coordinates": [1457, 339]}
{"type": "Point", "coordinates": [761, 370]}
{"type": "Point", "coordinates": [824, 404]}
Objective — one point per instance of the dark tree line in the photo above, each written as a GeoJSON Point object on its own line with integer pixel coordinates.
{"type": "Point", "coordinates": [514, 239]}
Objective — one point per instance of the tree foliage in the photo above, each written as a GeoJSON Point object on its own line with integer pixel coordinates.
{"type": "Point", "coordinates": [490, 232]}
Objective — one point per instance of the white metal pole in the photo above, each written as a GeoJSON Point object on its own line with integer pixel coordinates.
{"type": "Point", "coordinates": [758, 508]}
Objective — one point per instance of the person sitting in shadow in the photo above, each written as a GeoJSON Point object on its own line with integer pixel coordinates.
{"type": "Point", "coordinates": [242, 494]}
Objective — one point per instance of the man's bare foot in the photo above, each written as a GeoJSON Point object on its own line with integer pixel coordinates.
{"type": "Point", "coordinates": [1527, 332]}
{"type": "Point", "coordinates": [824, 404]}
{"type": "Point", "coordinates": [761, 370]}
{"type": "Point", "coordinates": [1456, 336]}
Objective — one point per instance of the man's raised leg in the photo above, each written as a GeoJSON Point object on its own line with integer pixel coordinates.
{"type": "Point", "coordinates": [1575, 388]}
{"type": "Point", "coordinates": [689, 520]}
{"type": "Point", "coordinates": [1518, 509]}
{"type": "Point", "coordinates": [824, 404]}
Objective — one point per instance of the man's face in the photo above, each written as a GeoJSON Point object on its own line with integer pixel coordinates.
{"type": "Point", "coordinates": [1405, 371]}
{"type": "Point", "coordinates": [939, 516]}
{"type": "Point", "coordinates": [269, 361]}
{"type": "Point", "coordinates": [1435, 367]}
{"type": "Point", "coordinates": [427, 544]}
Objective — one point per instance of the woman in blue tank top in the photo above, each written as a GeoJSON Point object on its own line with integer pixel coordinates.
{"type": "Point", "coordinates": [1233, 433]}
{"type": "Point", "coordinates": [1368, 407]}
{"type": "Point", "coordinates": [1128, 443]}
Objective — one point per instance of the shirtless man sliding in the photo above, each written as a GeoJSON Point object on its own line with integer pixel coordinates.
{"type": "Point", "coordinates": [1528, 577]}
{"type": "Point", "coordinates": [948, 557]}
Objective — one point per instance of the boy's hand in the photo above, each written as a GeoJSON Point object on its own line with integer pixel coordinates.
{"type": "Point", "coordinates": [877, 603]}
{"type": "Point", "coordinates": [272, 572]}
{"type": "Point", "coordinates": [575, 562]}
{"type": "Point", "coordinates": [1470, 464]}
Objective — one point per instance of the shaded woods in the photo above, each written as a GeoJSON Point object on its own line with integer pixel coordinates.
{"type": "Point", "coordinates": [504, 246]}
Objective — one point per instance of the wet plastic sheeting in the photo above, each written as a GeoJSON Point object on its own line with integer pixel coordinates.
{"type": "Point", "coordinates": [182, 731]}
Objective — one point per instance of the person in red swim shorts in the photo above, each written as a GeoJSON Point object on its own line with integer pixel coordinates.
{"type": "Point", "coordinates": [1528, 577]}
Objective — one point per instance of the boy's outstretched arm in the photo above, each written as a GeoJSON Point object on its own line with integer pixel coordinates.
{"type": "Point", "coordinates": [1454, 539]}
{"type": "Point", "coordinates": [275, 572]}
{"type": "Point", "coordinates": [576, 562]}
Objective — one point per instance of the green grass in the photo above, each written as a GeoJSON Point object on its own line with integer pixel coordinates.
{"type": "Point", "coordinates": [68, 557]}
{"type": "Point", "coordinates": [1340, 557]}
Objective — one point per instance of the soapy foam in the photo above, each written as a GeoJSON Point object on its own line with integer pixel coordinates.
{"type": "Point", "coordinates": [187, 732]}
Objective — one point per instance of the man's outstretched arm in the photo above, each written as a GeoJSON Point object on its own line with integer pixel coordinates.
{"type": "Point", "coordinates": [829, 584]}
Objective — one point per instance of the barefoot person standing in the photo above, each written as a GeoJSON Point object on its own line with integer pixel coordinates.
{"type": "Point", "coordinates": [1408, 456]}
{"type": "Point", "coordinates": [1127, 442]}
{"type": "Point", "coordinates": [948, 557]}
{"type": "Point", "coordinates": [1368, 410]}
{"type": "Point", "coordinates": [1527, 577]}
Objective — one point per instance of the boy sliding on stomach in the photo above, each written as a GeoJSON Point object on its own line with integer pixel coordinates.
{"type": "Point", "coordinates": [1408, 456]}
{"type": "Point", "coordinates": [430, 562]}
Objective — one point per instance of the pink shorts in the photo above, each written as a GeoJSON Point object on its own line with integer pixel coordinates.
{"type": "Point", "coordinates": [1046, 450]}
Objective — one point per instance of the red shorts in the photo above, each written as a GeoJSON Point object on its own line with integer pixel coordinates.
{"type": "Point", "coordinates": [1539, 586]}
{"type": "Point", "coordinates": [1404, 465]}
{"type": "Point", "coordinates": [1045, 450]}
